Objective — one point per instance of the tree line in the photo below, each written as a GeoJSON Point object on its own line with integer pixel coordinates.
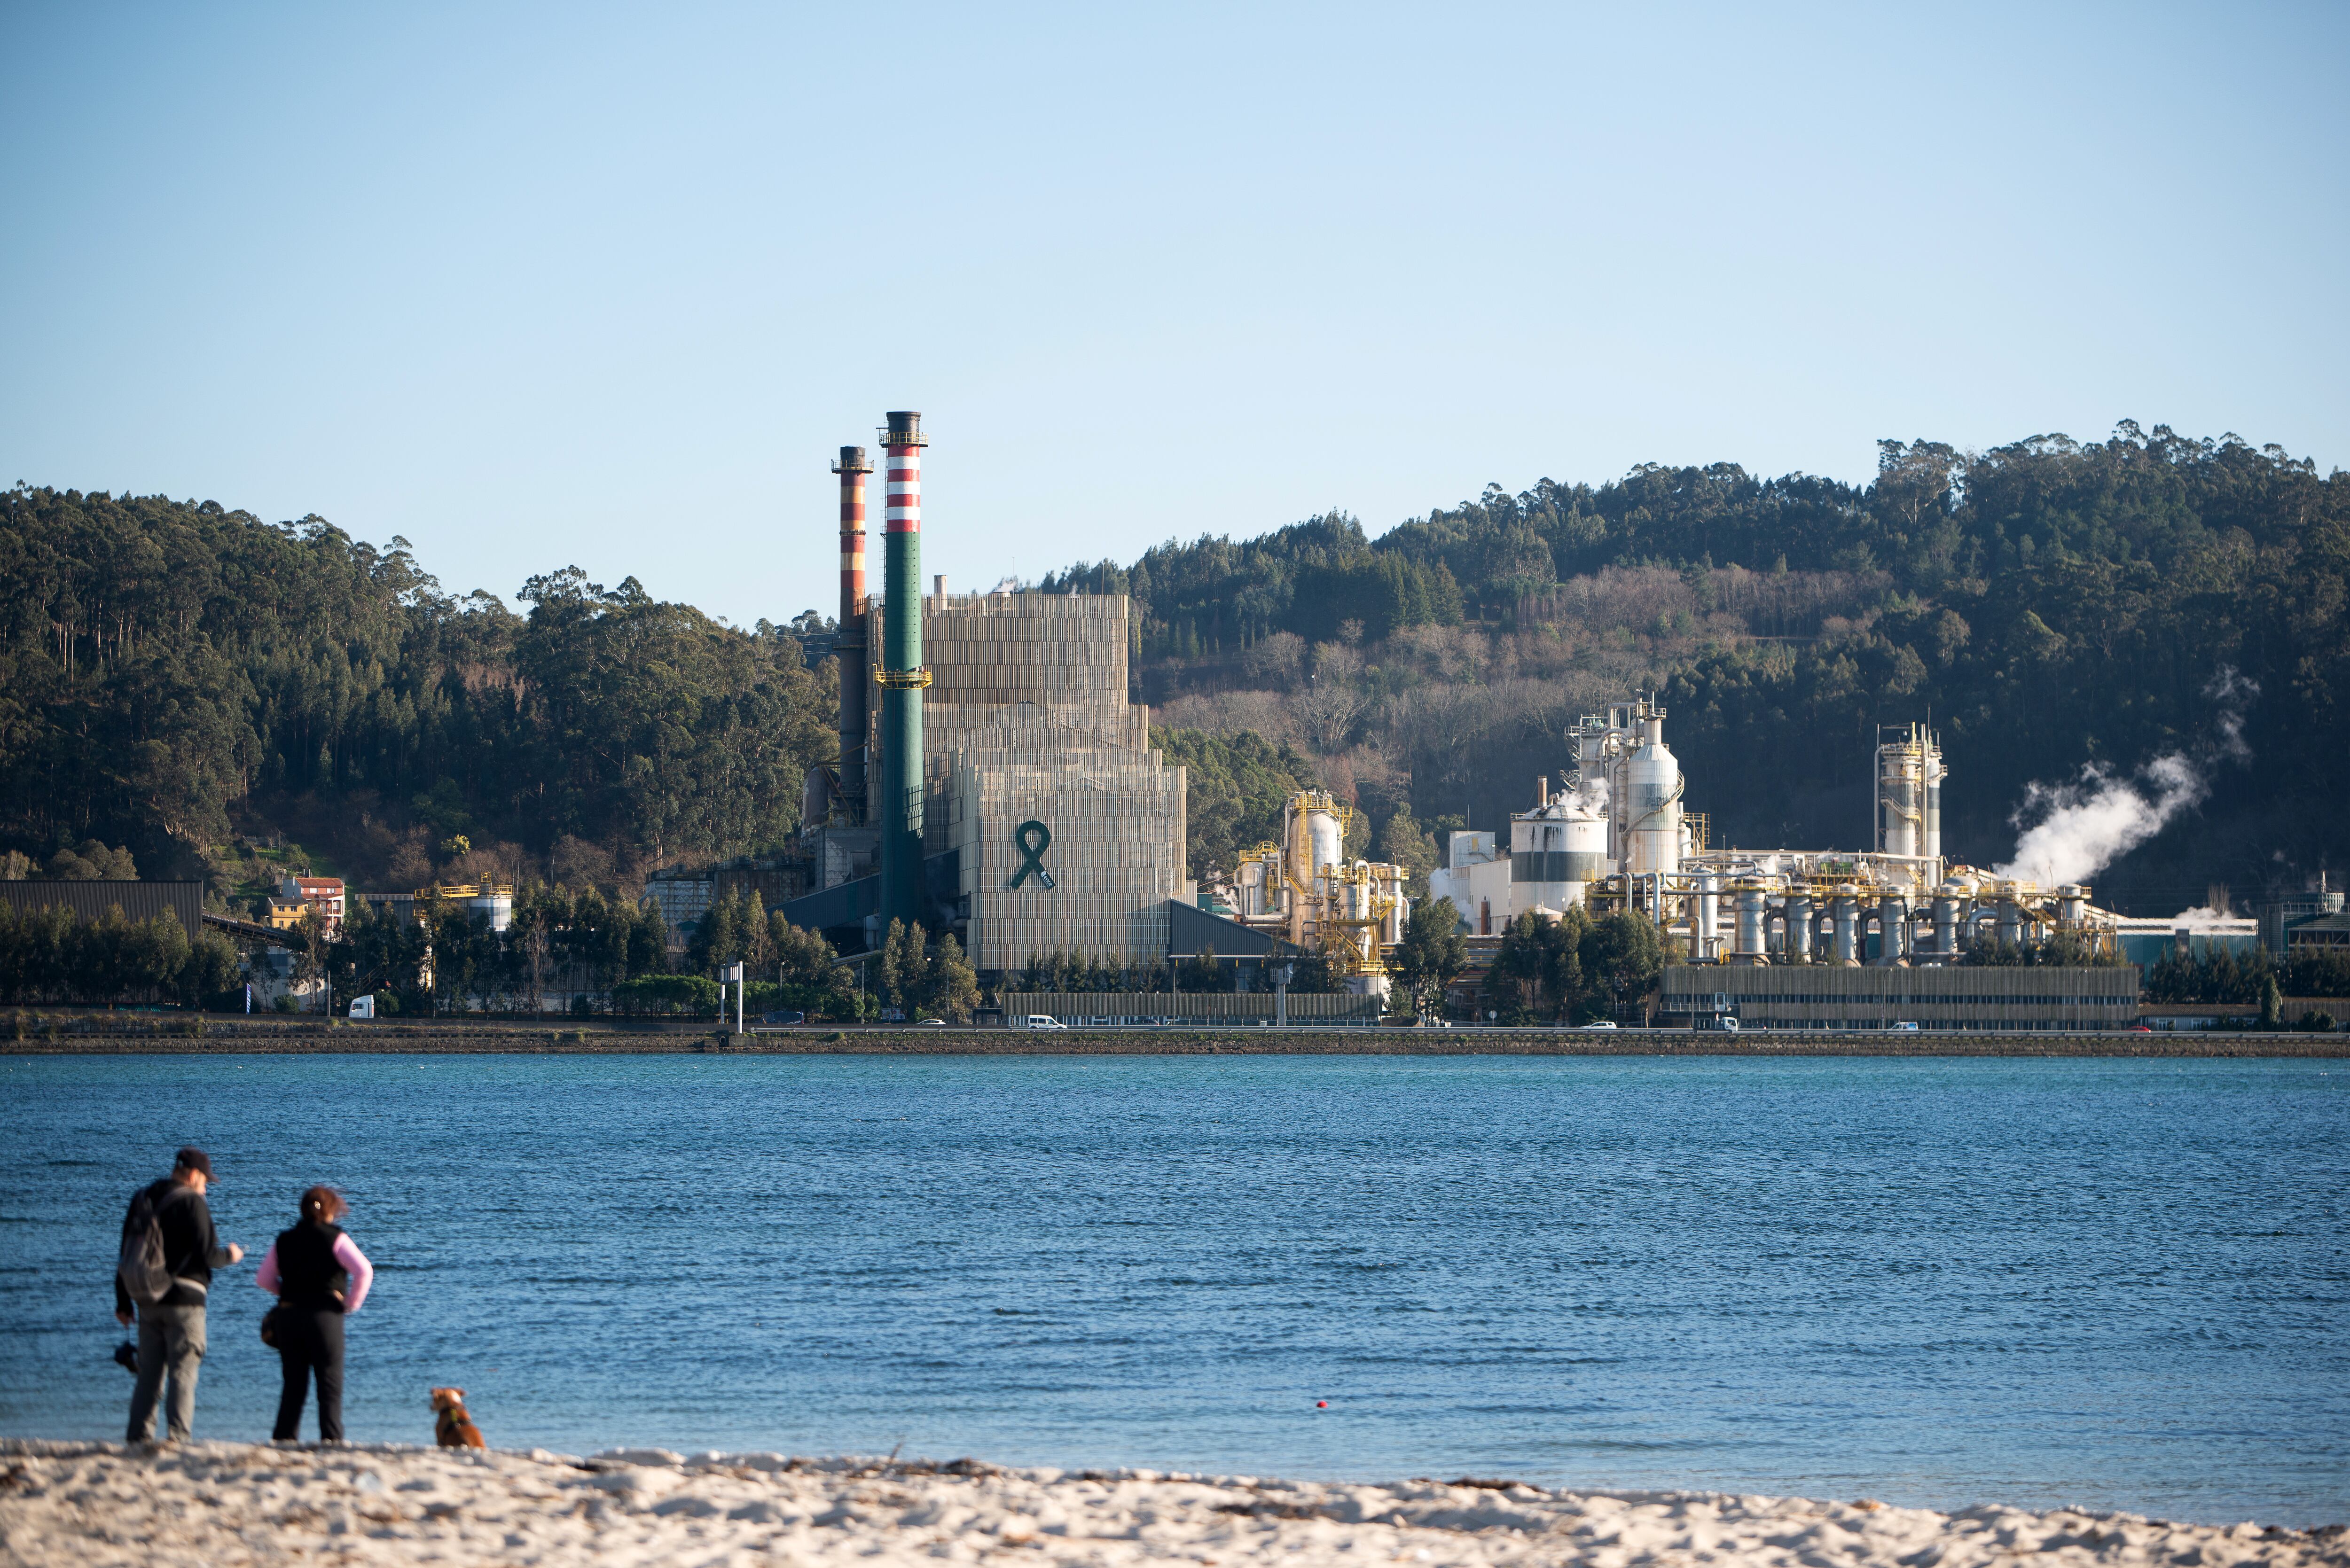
{"type": "Point", "coordinates": [170, 671]}
{"type": "Point", "coordinates": [2217, 975]}
{"type": "Point", "coordinates": [48, 955]}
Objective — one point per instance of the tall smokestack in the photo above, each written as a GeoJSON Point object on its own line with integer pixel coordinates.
{"type": "Point", "coordinates": [899, 812]}
{"type": "Point", "coordinates": [849, 646]}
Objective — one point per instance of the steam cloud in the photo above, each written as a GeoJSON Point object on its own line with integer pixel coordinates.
{"type": "Point", "coordinates": [2080, 828]}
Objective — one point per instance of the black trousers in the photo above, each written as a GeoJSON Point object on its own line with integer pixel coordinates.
{"type": "Point", "coordinates": [311, 1341]}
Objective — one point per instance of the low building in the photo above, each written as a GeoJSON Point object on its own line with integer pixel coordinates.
{"type": "Point", "coordinates": [683, 897]}
{"type": "Point", "coordinates": [2318, 934]}
{"type": "Point", "coordinates": [399, 906]}
{"type": "Point", "coordinates": [324, 893]}
{"type": "Point", "coordinates": [2147, 942]}
{"type": "Point", "coordinates": [285, 914]}
{"type": "Point", "coordinates": [1476, 877]}
{"type": "Point", "coordinates": [776, 878]}
{"type": "Point", "coordinates": [2279, 914]}
{"type": "Point", "coordinates": [1933, 997]}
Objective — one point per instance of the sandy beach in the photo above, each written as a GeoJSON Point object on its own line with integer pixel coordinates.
{"type": "Point", "coordinates": [227, 1503]}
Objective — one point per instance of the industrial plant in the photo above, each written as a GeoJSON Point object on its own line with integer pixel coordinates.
{"type": "Point", "coordinates": [995, 782]}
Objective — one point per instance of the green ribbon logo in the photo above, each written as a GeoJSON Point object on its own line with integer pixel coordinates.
{"type": "Point", "coordinates": [1034, 838]}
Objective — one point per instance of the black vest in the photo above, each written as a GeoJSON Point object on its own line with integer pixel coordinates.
{"type": "Point", "coordinates": [307, 1275]}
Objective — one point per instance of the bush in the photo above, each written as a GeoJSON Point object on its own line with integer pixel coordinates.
{"type": "Point", "coordinates": [666, 993]}
{"type": "Point", "coordinates": [2316, 1021]}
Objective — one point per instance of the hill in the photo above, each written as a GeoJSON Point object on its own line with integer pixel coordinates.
{"type": "Point", "coordinates": [2144, 638]}
{"type": "Point", "coordinates": [2148, 636]}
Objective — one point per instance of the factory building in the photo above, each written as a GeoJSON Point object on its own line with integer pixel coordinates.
{"type": "Point", "coordinates": [994, 781]}
{"type": "Point", "coordinates": [1930, 998]}
{"type": "Point", "coordinates": [1863, 938]}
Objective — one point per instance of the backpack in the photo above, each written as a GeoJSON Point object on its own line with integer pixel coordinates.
{"type": "Point", "coordinates": [143, 1269]}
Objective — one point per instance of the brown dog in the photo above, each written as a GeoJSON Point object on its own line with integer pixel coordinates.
{"type": "Point", "coordinates": [455, 1428]}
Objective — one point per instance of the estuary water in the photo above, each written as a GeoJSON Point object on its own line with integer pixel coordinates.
{"type": "Point", "coordinates": [2120, 1284]}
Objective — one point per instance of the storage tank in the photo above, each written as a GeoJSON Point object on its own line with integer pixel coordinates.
{"type": "Point", "coordinates": [1845, 904]}
{"type": "Point", "coordinates": [1252, 889]}
{"type": "Point", "coordinates": [1933, 845]}
{"type": "Point", "coordinates": [1314, 840]}
{"type": "Point", "coordinates": [1801, 920]}
{"type": "Point", "coordinates": [1327, 834]}
{"type": "Point", "coordinates": [1753, 915]}
{"type": "Point", "coordinates": [1653, 816]}
{"type": "Point", "coordinates": [1586, 850]}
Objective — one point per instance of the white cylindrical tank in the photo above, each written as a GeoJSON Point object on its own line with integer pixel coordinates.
{"type": "Point", "coordinates": [1251, 888]}
{"type": "Point", "coordinates": [1705, 925]}
{"type": "Point", "coordinates": [1896, 803]}
{"type": "Point", "coordinates": [1586, 848]}
{"type": "Point", "coordinates": [2071, 899]}
{"type": "Point", "coordinates": [1933, 843]}
{"type": "Point", "coordinates": [1653, 814]}
{"type": "Point", "coordinates": [1325, 834]}
{"type": "Point", "coordinates": [1801, 920]}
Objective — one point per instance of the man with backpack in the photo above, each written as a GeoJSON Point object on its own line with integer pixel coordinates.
{"type": "Point", "coordinates": [169, 1253]}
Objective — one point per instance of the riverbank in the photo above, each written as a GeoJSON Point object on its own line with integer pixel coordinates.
{"type": "Point", "coordinates": [225, 1503]}
{"type": "Point", "coordinates": [116, 1034]}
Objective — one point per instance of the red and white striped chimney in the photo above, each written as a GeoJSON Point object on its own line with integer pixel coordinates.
{"type": "Point", "coordinates": [849, 643]}
{"type": "Point", "coordinates": [853, 466]}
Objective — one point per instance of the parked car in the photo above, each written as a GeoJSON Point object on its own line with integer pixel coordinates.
{"type": "Point", "coordinates": [1904, 1028]}
{"type": "Point", "coordinates": [1603, 1023]}
{"type": "Point", "coordinates": [931, 1024]}
{"type": "Point", "coordinates": [1041, 1021]}
{"type": "Point", "coordinates": [783, 1017]}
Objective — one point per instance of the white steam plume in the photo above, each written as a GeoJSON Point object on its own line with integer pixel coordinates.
{"type": "Point", "coordinates": [2080, 828]}
{"type": "Point", "coordinates": [1591, 794]}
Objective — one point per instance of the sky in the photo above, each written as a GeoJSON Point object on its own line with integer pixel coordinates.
{"type": "Point", "coordinates": [533, 286]}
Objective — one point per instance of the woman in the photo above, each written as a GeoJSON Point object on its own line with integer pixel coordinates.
{"type": "Point", "coordinates": [321, 1278]}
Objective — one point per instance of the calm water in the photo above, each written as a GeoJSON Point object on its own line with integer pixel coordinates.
{"type": "Point", "coordinates": [2122, 1284]}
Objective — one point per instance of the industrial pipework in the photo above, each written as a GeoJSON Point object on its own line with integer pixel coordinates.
{"type": "Point", "coordinates": [901, 674]}
{"type": "Point", "coordinates": [848, 645]}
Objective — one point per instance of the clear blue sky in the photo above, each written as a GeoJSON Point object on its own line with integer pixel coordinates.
{"type": "Point", "coordinates": [537, 285]}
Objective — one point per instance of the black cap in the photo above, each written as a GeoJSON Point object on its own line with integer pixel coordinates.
{"type": "Point", "coordinates": [193, 1158]}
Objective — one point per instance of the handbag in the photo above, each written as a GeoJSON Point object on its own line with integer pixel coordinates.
{"type": "Point", "coordinates": [273, 1324]}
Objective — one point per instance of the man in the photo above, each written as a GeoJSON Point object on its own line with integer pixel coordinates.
{"type": "Point", "coordinates": [172, 1331]}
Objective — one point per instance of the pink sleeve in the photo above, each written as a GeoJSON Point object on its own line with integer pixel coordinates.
{"type": "Point", "coordinates": [267, 1277]}
{"type": "Point", "coordinates": [361, 1271]}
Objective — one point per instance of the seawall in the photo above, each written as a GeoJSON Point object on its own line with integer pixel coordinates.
{"type": "Point", "coordinates": [102, 1034]}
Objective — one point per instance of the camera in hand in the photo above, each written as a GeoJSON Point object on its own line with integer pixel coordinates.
{"type": "Point", "coordinates": [126, 1356]}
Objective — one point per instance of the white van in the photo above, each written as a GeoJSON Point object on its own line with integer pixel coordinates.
{"type": "Point", "coordinates": [1041, 1021]}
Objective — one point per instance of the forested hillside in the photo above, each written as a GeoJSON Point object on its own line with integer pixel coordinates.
{"type": "Point", "coordinates": [177, 678]}
{"type": "Point", "coordinates": [192, 682]}
{"type": "Point", "coordinates": [2146, 602]}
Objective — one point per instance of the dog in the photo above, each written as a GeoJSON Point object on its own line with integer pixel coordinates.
{"type": "Point", "coordinates": [454, 1429]}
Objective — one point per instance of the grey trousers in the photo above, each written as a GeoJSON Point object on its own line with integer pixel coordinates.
{"type": "Point", "coordinates": [171, 1341]}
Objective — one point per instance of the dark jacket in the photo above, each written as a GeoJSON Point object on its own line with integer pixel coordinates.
{"type": "Point", "coordinates": [191, 1249]}
{"type": "Point", "coordinates": [308, 1277]}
